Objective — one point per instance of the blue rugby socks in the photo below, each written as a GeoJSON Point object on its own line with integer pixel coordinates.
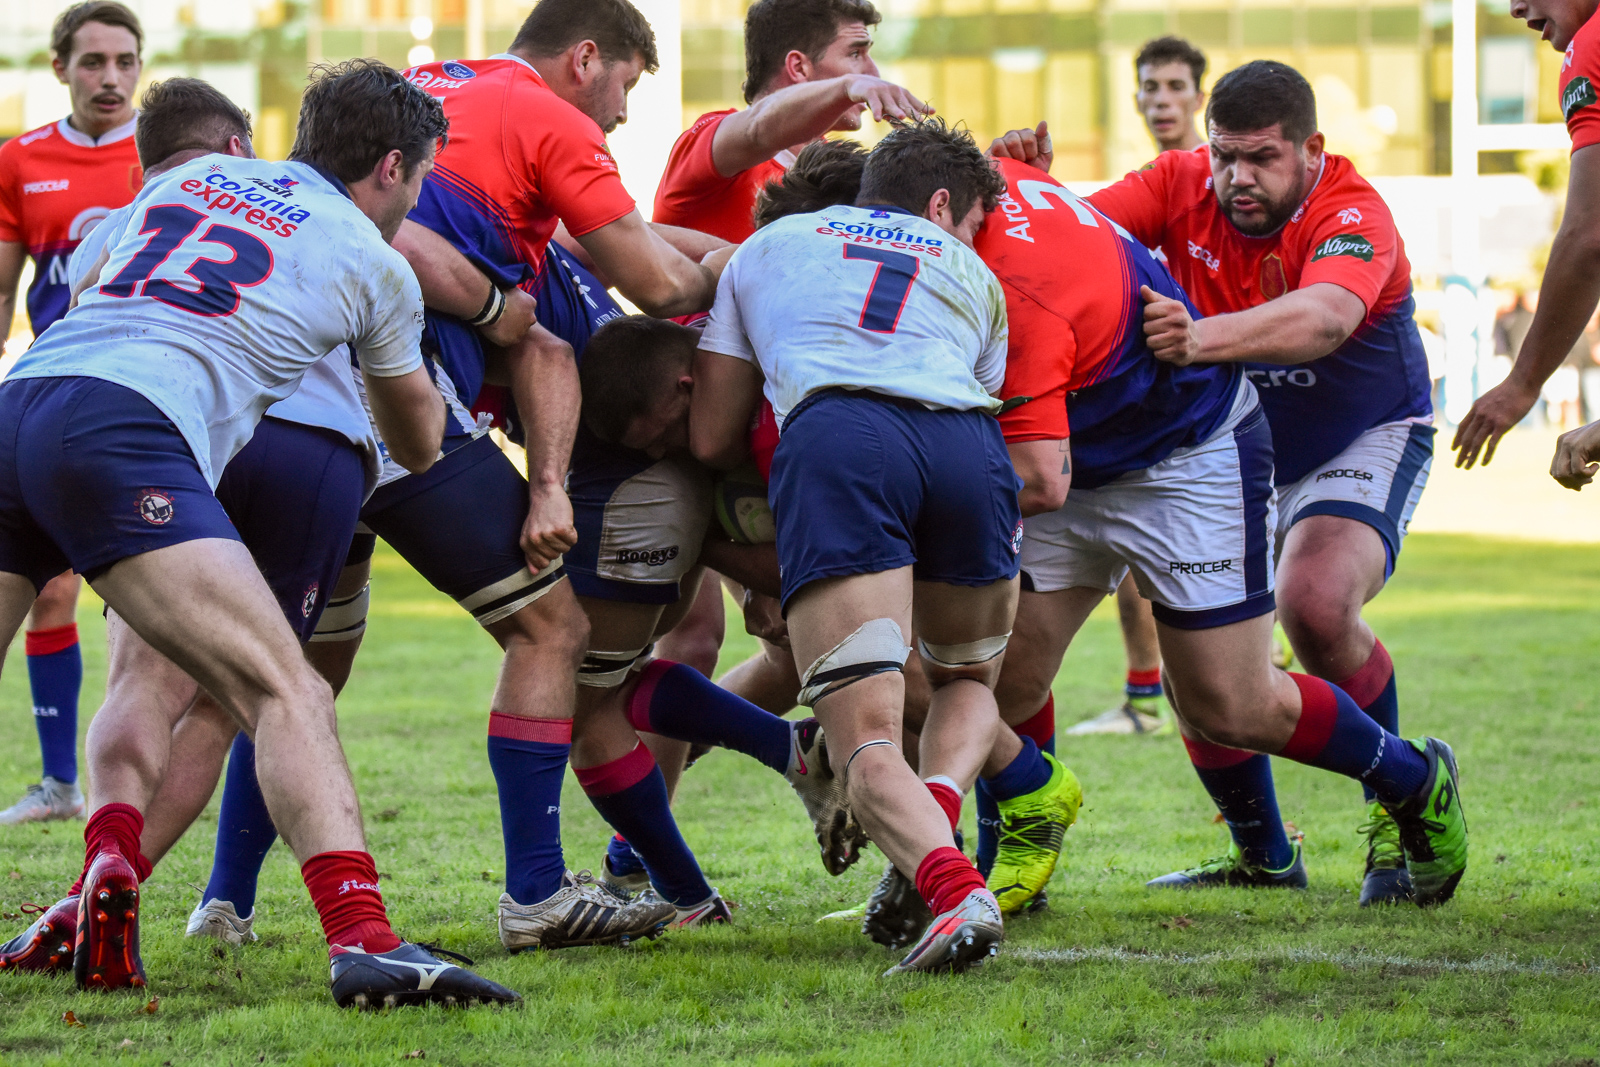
{"type": "Point", "coordinates": [529, 760]}
{"type": "Point", "coordinates": [1240, 785]}
{"type": "Point", "coordinates": [677, 701]}
{"type": "Point", "coordinates": [55, 674]}
{"type": "Point", "coordinates": [1373, 690]}
{"type": "Point", "coordinates": [244, 832]}
{"type": "Point", "coordinates": [1041, 730]}
{"type": "Point", "coordinates": [1336, 735]}
{"type": "Point", "coordinates": [630, 794]}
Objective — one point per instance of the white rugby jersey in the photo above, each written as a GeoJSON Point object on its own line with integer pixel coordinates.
{"type": "Point", "coordinates": [327, 396]}
{"type": "Point", "coordinates": [228, 280]}
{"type": "Point", "coordinates": [864, 298]}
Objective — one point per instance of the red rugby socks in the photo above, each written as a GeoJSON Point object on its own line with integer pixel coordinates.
{"type": "Point", "coordinates": [344, 888]}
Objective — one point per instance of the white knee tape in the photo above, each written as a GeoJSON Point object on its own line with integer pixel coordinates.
{"type": "Point", "coordinates": [968, 654]}
{"type": "Point", "coordinates": [862, 748]}
{"type": "Point", "coordinates": [607, 670]}
{"type": "Point", "coordinates": [344, 619]}
{"type": "Point", "coordinates": [876, 647]}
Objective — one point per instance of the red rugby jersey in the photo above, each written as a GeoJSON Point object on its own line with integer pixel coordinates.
{"type": "Point", "coordinates": [694, 195]}
{"type": "Point", "coordinates": [1580, 84]}
{"type": "Point", "coordinates": [56, 184]}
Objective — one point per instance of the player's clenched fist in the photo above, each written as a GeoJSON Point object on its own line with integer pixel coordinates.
{"type": "Point", "coordinates": [1026, 146]}
{"type": "Point", "coordinates": [548, 531]}
{"type": "Point", "coordinates": [1577, 451]}
{"type": "Point", "coordinates": [1169, 329]}
{"type": "Point", "coordinates": [886, 101]}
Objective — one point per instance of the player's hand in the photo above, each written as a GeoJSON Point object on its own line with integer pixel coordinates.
{"type": "Point", "coordinates": [548, 531]}
{"type": "Point", "coordinates": [1168, 328]}
{"type": "Point", "coordinates": [763, 618]}
{"type": "Point", "coordinates": [1491, 416]}
{"type": "Point", "coordinates": [1026, 146]}
{"type": "Point", "coordinates": [1577, 451]}
{"type": "Point", "coordinates": [886, 101]}
{"type": "Point", "coordinates": [513, 323]}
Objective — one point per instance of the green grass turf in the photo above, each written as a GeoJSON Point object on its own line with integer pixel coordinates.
{"type": "Point", "coordinates": [1494, 642]}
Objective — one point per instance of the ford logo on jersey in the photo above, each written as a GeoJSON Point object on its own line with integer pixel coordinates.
{"type": "Point", "coordinates": [459, 70]}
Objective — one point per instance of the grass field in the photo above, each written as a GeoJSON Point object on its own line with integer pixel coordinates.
{"type": "Point", "coordinates": [1495, 645]}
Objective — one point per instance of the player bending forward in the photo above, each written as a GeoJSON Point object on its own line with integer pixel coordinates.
{"type": "Point", "coordinates": [156, 390]}
{"type": "Point", "coordinates": [877, 335]}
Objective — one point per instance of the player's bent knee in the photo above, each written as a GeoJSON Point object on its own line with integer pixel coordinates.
{"type": "Point", "coordinates": [875, 647]}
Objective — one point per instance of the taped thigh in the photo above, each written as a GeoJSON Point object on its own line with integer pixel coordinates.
{"type": "Point", "coordinates": [876, 647]}
{"type": "Point", "coordinates": [965, 654]}
{"type": "Point", "coordinates": [607, 670]}
{"type": "Point", "coordinates": [344, 618]}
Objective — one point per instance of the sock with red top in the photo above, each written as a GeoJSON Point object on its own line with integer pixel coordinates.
{"type": "Point", "coordinates": [679, 702]}
{"type": "Point", "coordinates": [1373, 690]}
{"type": "Point", "coordinates": [1143, 685]}
{"type": "Point", "coordinates": [1240, 784]}
{"type": "Point", "coordinates": [1040, 729]}
{"type": "Point", "coordinates": [945, 877]}
{"type": "Point", "coordinates": [55, 674]}
{"type": "Point", "coordinates": [948, 796]}
{"type": "Point", "coordinates": [115, 828]}
{"type": "Point", "coordinates": [1336, 735]}
{"type": "Point", "coordinates": [529, 760]}
{"type": "Point", "coordinates": [344, 889]}
{"type": "Point", "coordinates": [630, 794]}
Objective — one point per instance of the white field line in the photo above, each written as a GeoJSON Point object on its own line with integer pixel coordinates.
{"type": "Point", "coordinates": [1480, 965]}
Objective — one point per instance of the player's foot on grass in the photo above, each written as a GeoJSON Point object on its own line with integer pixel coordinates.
{"type": "Point", "coordinates": [1031, 830]}
{"type": "Point", "coordinates": [106, 951]}
{"type": "Point", "coordinates": [219, 919]}
{"type": "Point", "coordinates": [963, 937]}
{"type": "Point", "coordinates": [1230, 870]}
{"type": "Point", "coordinates": [46, 801]}
{"type": "Point", "coordinates": [410, 974]}
{"type": "Point", "coordinates": [1386, 880]}
{"type": "Point", "coordinates": [711, 910]}
{"type": "Point", "coordinates": [581, 912]}
{"type": "Point", "coordinates": [895, 912]}
{"type": "Point", "coordinates": [1433, 827]}
{"type": "Point", "coordinates": [628, 883]}
{"type": "Point", "coordinates": [47, 944]}
{"type": "Point", "coordinates": [1127, 719]}
{"type": "Point", "coordinates": [838, 834]}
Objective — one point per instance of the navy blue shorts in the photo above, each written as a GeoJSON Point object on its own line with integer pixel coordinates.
{"type": "Point", "coordinates": [459, 523]}
{"type": "Point", "coordinates": [293, 494]}
{"type": "Point", "coordinates": [90, 474]}
{"type": "Point", "coordinates": [863, 483]}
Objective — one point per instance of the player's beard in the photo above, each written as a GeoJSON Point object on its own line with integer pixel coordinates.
{"type": "Point", "coordinates": [1275, 214]}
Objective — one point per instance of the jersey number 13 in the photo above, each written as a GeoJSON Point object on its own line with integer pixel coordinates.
{"type": "Point", "coordinates": [170, 225]}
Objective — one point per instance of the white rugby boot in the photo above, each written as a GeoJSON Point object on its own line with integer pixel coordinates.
{"type": "Point", "coordinates": [963, 937]}
{"type": "Point", "coordinates": [839, 835]}
{"type": "Point", "coordinates": [582, 912]}
{"type": "Point", "coordinates": [47, 801]}
{"type": "Point", "coordinates": [219, 919]}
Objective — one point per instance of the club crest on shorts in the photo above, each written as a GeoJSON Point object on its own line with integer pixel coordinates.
{"type": "Point", "coordinates": [1016, 540]}
{"type": "Point", "coordinates": [309, 602]}
{"type": "Point", "coordinates": [155, 506]}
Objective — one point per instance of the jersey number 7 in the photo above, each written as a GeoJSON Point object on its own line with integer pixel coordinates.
{"type": "Point", "coordinates": [891, 285]}
{"type": "Point", "coordinates": [220, 280]}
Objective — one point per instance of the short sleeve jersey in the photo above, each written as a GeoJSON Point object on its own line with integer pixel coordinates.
{"type": "Point", "coordinates": [867, 298]}
{"type": "Point", "coordinates": [693, 194]}
{"type": "Point", "coordinates": [1580, 85]}
{"type": "Point", "coordinates": [1076, 360]}
{"type": "Point", "coordinates": [228, 280]}
{"type": "Point", "coordinates": [56, 184]}
{"type": "Point", "coordinates": [1342, 233]}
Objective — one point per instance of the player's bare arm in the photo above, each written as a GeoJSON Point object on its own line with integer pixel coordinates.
{"type": "Point", "coordinates": [1025, 146]}
{"type": "Point", "coordinates": [1295, 328]}
{"type": "Point", "coordinates": [1567, 298]}
{"type": "Point", "coordinates": [12, 256]}
{"type": "Point", "coordinates": [692, 243]}
{"type": "Point", "coordinates": [451, 284]}
{"type": "Point", "coordinates": [647, 270]}
{"type": "Point", "coordinates": [727, 391]}
{"type": "Point", "coordinates": [1045, 468]}
{"type": "Point", "coordinates": [799, 114]}
{"type": "Point", "coordinates": [410, 415]}
{"type": "Point", "coordinates": [544, 384]}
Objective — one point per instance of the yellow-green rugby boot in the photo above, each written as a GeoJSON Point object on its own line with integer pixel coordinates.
{"type": "Point", "coordinates": [1031, 829]}
{"type": "Point", "coordinates": [1433, 827]}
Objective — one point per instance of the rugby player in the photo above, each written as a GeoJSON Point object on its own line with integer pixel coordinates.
{"type": "Point", "coordinates": [158, 386]}
{"type": "Point", "coordinates": [1570, 288]}
{"type": "Point", "coordinates": [1298, 263]}
{"type": "Point", "coordinates": [878, 363]}
{"type": "Point", "coordinates": [56, 184]}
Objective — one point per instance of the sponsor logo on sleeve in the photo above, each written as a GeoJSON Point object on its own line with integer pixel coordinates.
{"type": "Point", "coordinates": [1345, 244]}
{"type": "Point", "coordinates": [459, 71]}
{"type": "Point", "coordinates": [1578, 95]}
{"type": "Point", "coordinates": [1349, 216]}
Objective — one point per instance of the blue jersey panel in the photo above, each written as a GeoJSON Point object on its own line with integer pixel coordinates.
{"type": "Point", "coordinates": [1316, 409]}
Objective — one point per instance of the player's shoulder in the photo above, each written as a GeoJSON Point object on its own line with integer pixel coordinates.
{"type": "Point", "coordinates": [705, 125]}
{"type": "Point", "coordinates": [1580, 70]}
{"type": "Point", "coordinates": [1343, 198]}
{"type": "Point", "coordinates": [30, 142]}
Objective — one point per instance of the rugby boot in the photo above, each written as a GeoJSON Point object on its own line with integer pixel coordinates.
{"type": "Point", "coordinates": [46, 801]}
{"type": "Point", "coordinates": [1433, 827]}
{"type": "Point", "coordinates": [219, 919]}
{"type": "Point", "coordinates": [581, 912]}
{"type": "Point", "coordinates": [963, 937]}
{"type": "Point", "coordinates": [1127, 719]}
{"type": "Point", "coordinates": [1031, 830]}
{"type": "Point", "coordinates": [627, 884]}
{"type": "Point", "coordinates": [47, 944]}
{"type": "Point", "coordinates": [410, 974]}
{"type": "Point", "coordinates": [895, 912]}
{"type": "Point", "coordinates": [839, 835]}
{"type": "Point", "coordinates": [713, 909]}
{"type": "Point", "coordinates": [106, 952]}
{"type": "Point", "coordinates": [1231, 871]}
{"type": "Point", "coordinates": [1386, 880]}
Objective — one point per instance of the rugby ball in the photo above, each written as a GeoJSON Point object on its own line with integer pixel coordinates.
{"type": "Point", "coordinates": [740, 500]}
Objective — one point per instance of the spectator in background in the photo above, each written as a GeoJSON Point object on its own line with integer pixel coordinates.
{"type": "Point", "coordinates": [1169, 70]}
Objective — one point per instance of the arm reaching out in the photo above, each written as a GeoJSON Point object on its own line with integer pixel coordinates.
{"type": "Point", "coordinates": [1295, 328]}
{"type": "Point", "coordinates": [801, 113]}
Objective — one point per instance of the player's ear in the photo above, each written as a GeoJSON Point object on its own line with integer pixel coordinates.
{"type": "Point", "coordinates": [797, 65]}
{"type": "Point", "coordinates": [585, 60]}
{"type": "Point", "coordinates": [939, 206]}
{"type": "Point", "coordinates": [61, 70]}
{"type": "Point", "coordinates": [1313, 147]}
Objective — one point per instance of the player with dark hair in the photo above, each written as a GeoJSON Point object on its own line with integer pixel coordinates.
{"type": "Point", "coordinates": [1170, 72]}
{"type": "Point", "coordinates": [1299, 265]}
{"type": "Point", "coordinates": [56, 183]}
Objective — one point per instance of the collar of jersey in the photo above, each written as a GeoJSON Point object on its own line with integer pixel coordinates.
{"type": "Point", "coordinates": [519, 59]}
{"type": "Point", "coordinates": [892, 208]}
{"type": "Point", "coordinates": [330, 177]}
{"type": "Point", "coordinates": [83, 140]}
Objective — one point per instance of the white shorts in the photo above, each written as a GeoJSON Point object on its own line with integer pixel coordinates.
{"type": "Point", "coordinates": [1377, 480]}
{"type": "Point", "coordinates": [1195, 529]}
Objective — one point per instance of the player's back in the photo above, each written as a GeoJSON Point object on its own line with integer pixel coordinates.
{"type": "Point", "coordinates": [1072, 281]}
{"type": "Point", "coordinates": [228, 279]}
